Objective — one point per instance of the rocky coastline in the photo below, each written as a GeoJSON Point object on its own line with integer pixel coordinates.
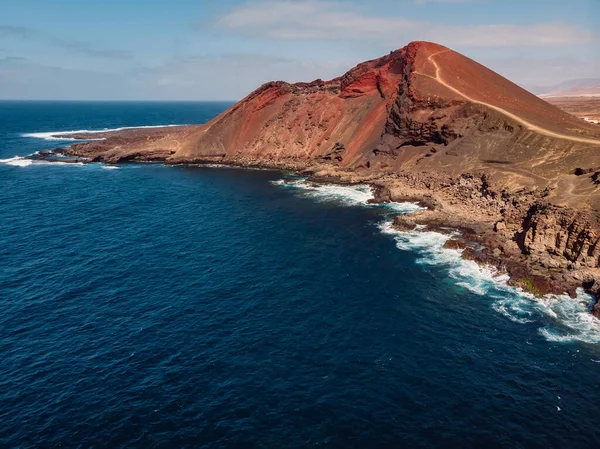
{"type": "Point", "coordinates": [517, 179]}
{"type": "Point", "coordinates": [544, 248]}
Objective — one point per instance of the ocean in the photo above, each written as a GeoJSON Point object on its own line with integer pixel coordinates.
{"type": "Point", "coordinates": [154, 306]}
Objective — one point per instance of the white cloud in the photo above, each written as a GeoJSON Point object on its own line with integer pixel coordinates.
{"type": "Point", "coordinates": [79, 46]}
{"type": "Point", "coordinates": [313, 19]}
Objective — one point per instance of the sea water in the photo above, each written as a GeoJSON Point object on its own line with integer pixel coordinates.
{"type": "Point", "coordinates": [143, 305]}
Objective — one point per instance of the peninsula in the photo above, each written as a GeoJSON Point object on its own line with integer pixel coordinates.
{"type": "Point", "coordinates": [518, 176]}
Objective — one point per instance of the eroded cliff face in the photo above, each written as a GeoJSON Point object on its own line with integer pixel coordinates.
{"type": "Point", "coordinates": [563, 238]}
{"type": "Point", "coordinates": [571, 235]}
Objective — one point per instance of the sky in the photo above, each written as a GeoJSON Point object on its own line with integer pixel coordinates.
{"type": "Point", "coordinates": [222, 50]}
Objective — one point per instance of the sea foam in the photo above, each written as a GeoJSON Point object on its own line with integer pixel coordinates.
{"type": "Point", "coordinates": [559, 318]}
{"type": "Point", "coordinates": [349, 195]}
{"type": "Point", "coordinates": [52, 135]}
{"type": "Point", "coordinates": [19, 161]}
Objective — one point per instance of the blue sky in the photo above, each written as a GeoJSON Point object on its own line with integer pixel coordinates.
{"type": "Point", "coordinates": [207, 50]}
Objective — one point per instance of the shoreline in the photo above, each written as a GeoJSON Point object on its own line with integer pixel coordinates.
{"type": "Point", "coordinates": [488, 234]}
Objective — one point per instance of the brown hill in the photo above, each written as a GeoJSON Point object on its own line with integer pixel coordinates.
{"type": "Point", "coordinates": [423, 107]}
{"type": "Point", "coordinates": [585, 91]}
{"type": "Point", "coordinates": [586, 108]}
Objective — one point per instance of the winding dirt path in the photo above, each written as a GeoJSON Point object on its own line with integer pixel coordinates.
{"type": "Point", "coordinates": [518, 119]}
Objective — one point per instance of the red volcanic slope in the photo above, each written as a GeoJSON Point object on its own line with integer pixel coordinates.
{"type": "Point", "coordinates": [399, 100]}
{"type": "Point", "coordinates": [482, 84]}
{"type": "Point", "coordinates": [305, 119]}
{"type": "Point", "coordinates": [422, 105]}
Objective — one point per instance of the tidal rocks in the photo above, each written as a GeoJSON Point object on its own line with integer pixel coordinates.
{"type": "Point", "coordinates": [381, 194]}
{"type": "Point", "coordinates": [455, 243]}
{"type": "Point", "coordinates": [404, 223]}
{"type": "Point", "coordinates": [596, 309]}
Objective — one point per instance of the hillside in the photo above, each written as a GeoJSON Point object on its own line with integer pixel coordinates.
{"type": "Point", "coordinates": [424, 105]}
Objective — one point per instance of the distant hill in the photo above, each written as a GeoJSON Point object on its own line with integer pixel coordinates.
{"type": "Point", "coordinates": [586, 87]}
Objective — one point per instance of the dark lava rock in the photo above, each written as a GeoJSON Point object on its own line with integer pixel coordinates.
{"type": "Point", "coordinates": [404, 223]}
{"type": "Point", "coordinates": [596, 308]}
{"type": "Point", "coordinates": [381, 194]}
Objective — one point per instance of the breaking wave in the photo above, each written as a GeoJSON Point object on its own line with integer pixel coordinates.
{"type": "Point", "coordinates": [559, 317]}
{"type": "Point", "coordinates": [52, 135]}
{"type": "Point", "coordinates": [19, 161]}
{"type": "Point", "coordinates": [350, 195]}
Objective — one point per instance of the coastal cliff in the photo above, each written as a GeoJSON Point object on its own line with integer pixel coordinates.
{"type": "Point", "coordinates": [518, 176]}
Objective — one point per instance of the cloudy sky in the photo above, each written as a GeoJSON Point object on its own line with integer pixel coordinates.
{"type": "Point", "coordinates": [221, 50]}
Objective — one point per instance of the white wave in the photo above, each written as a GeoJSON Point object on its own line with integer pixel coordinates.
{"type": "Point", "coordinates": [574, 322]}
{"type": "Point", "coordinates": [562, 319]}
{"type": "Point", "coordinates": [228, 166]}
{"type": "Point", "coordinates": [511, 309]}
{"type": "Point", "coordinates": [75, 164]}
{"type": "Point", "coordinates": [110, 167]}
{"type": "Point", "coordinates": [559, 317]}
{"type": "Point", "coordinates": [351, 195]}
{"type": "Point", "coordinates": [17, 161]}
{"type": "Point", "coordinates": [52, 135]}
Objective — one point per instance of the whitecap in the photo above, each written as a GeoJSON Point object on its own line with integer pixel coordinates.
{"type": "Point", "coordinates": [350, 195]}
{"type": "Point", "coordinates": [559, 317]}
{"type": "Point", "coordinates": [52, 135]}
{"type": "Point", "coordinates": [110, 167]}
{"type": "Point", "coordinates": [17, 161]}
{"type": "Point", "coordinates": [562, 318]}
{"type": "Point", "coordinates": [513, 311]}
{"type": "Point", "coordinates": [572, 320]}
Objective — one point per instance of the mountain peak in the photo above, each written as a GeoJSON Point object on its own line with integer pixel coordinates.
{"type": "Point", "coordinates": [422, 107]}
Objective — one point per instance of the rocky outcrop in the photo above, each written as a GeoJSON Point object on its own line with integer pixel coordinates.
{"type": "Point", "coordinates": [561, 237]}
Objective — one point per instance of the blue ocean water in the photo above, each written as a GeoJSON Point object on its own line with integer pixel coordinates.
{"type": "Point", "coordinates": [153, 306]}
